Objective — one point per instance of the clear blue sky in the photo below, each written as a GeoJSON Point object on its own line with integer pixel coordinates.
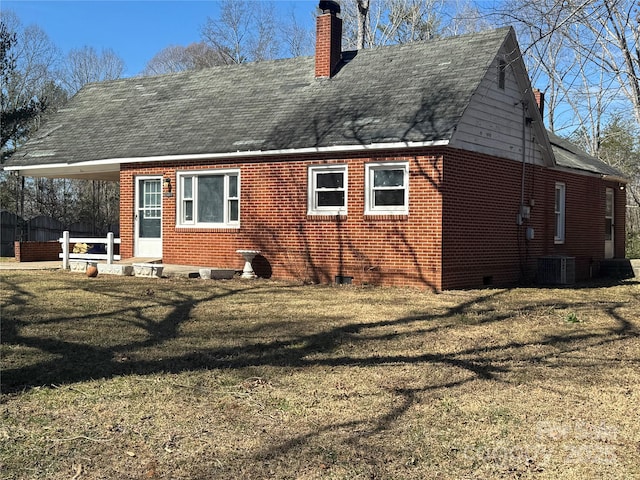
{"type": "Point", "coordinates": [135, 30]}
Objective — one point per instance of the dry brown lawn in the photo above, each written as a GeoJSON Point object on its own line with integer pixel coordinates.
{"type": "Point", "coordinates": [118, 378]}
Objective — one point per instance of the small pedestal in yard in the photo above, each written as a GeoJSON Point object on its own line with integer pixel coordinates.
{"type": "Point", "coordinates": [248, 255]}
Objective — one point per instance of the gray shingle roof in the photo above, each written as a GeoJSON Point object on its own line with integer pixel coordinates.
{"type": "Point", "coordinates": [568, 155]}
{"type": "Point", "coordinates": [412, 93]}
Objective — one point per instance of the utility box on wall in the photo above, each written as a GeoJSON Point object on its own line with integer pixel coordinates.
{"type": "Point", "coordinates": [556, 270]}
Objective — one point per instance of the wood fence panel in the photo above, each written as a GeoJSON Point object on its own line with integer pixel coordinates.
{"type": "Point", "coordinates": [8, 223]}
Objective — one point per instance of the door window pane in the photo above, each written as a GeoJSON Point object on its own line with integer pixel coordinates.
{"type": "Point", "coordinates": [559, 233]}
{"type": "Point", "coordinates": [149, 208]}
{"type": "Point", "coordinates": [608, 233]}
{"type": "Point", "coordinates": [150, 227]}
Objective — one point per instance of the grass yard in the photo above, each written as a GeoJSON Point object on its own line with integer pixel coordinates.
{"type": "Point", "coordinates": [129, 378]}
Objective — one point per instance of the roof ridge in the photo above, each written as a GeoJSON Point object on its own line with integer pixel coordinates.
{"type": "Point", "coordinates": [366, 51]}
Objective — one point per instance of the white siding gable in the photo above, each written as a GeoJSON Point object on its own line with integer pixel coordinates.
{"type": "Point", "coordinates": [492, 122]}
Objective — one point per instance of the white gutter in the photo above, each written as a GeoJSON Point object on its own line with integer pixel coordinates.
{"type": "Point", "coordinates": [237, 154]}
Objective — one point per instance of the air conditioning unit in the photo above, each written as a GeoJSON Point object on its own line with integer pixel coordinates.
{"type": "Point", "coordinates": [556, 270]}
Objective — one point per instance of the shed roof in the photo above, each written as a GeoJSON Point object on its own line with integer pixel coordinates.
{"type": "Point", "coordinates": [569, 155]}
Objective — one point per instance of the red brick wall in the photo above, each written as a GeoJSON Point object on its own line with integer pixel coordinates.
{"type": "Point", "coordinates": [584, 210]}
{"type": "Point", "coordinates": [477, 241]}
{"type": "Point", "coordinates": [37, 251]}
{"type": "Point", "coordinates": [400, 250]}
{"type": "Point", "coordinates": [620, 231]}
{"type": "Point", "coordinates": [481, 238]}
{"type": "Point", "coordinates": [482, 242]}
{"type": "Point", "coordinates": [127, 213]}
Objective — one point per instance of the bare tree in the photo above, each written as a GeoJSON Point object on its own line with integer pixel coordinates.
{"type": "Point", "coordinates": [52, 197]}
{"type": "Point", "coordinates": [244, 32]}
{"type": "Point", "coordinates": [586, 51]}
{"type": "Point", "coordinates": [370, 23]}
{"type": "Point", "coordinates": [612, 29]}
{"type": "Point", "coordinates": [31, 57]}
{"type": "Point", "coordinates": [463, 16]}
{"type": "Point", "coordinates": [299, 40]}
{"type": "Point", "coordinates": [33, 76]}
{"type": "Point", "coordinates": [28, 90]}
{"type": "Point", "coordinates": [363, 14]}
{"type": "Point", "coordinates": [412, 20]}
{"type": "Point", "coordinates": [176, 58]}
{"type": "Point", "coordinates": [86, 65]}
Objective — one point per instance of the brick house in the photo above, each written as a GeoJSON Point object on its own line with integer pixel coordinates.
{"type": "Point", "coordinates": [425, 164]}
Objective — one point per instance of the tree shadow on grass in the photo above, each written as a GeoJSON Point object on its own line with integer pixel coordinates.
{"type": "Point", "coordinates": [482, 364]}
{"type": "Point", "coordinates": [68, 361]}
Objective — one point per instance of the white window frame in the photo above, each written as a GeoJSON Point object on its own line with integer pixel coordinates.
{"type": "Point", "coordinates": [609, 213]}
{"type": "Point", "coordinates": [560, 212]}
{"type": "Point", "coordinates": [182, 176]}
{"type": "Point", "coordinates": [312, 199]}
{"type": "Point", "coordinates": [370, 208]}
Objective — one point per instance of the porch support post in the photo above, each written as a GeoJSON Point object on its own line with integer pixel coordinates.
{"type": "Point", "coordinates": [65, 249]}
{"type": "Point", "coordinates": [109, 248]}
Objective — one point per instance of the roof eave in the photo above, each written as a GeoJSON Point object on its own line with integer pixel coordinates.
{"type": "Point", "coordinates": [108, 169]}
{"type": "Point", "coordinates": [588, 173]}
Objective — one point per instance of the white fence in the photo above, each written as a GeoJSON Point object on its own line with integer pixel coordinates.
{"type": "Point", "coordinates": [68, 255]}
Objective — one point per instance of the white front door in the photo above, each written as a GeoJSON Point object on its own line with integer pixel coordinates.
{"type": "Point", "coordinates": [609, 250]}
{"type": "Point", "coordinates": [148, 217]}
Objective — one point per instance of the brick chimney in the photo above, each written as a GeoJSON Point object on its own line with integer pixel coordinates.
{"type": "Point", "coordinates": [328, 39]}
{"type": "Point", "coordinates": [539, 96]}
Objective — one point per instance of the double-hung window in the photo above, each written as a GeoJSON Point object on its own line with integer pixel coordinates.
{"type": "Point", "coordinates": [327, 190]}
{"type": "Point", "coordinates": [387, 188]}
{"type": "Point", "coordinates": [560, 213]}
{"type": "Point", "coordinates": [209, 199]}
